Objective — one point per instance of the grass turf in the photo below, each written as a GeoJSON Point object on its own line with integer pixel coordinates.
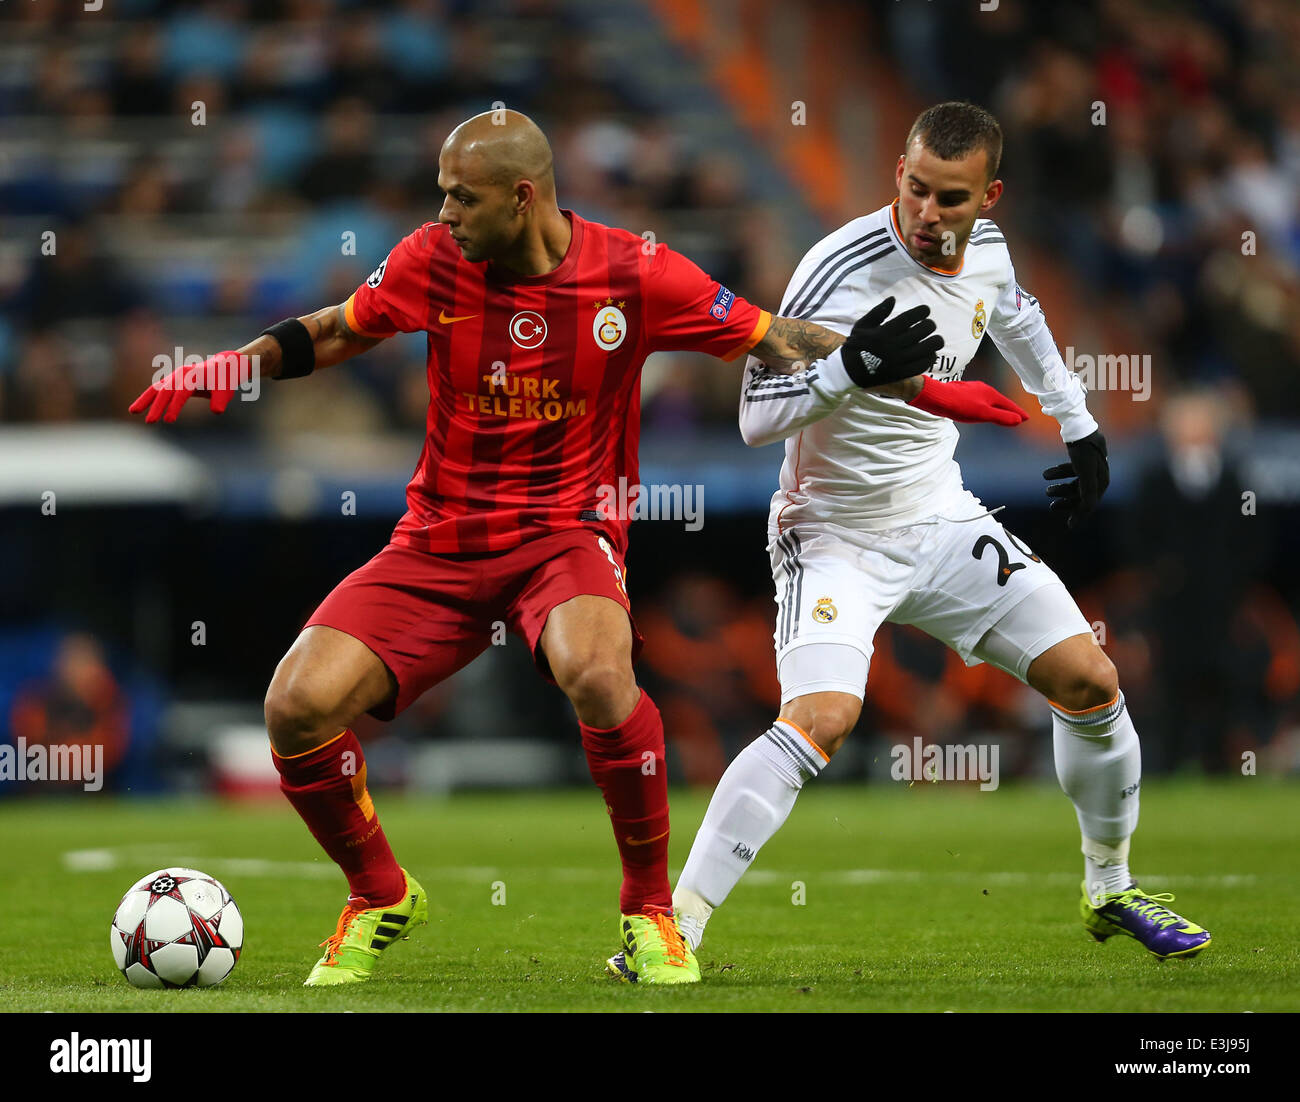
{"type": "Point", "coordinates": [921, 898]}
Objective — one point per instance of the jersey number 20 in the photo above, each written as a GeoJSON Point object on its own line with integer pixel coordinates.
{"type": "Point", "coordinates": [1005, 566]}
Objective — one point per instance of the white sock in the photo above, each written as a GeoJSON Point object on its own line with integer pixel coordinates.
{"type": "Point", "coordinates": [1099, 765]}
{"type": "Point", "coordinates": [752, 800]}
{"type": "Point", "coordinates": [1105, 867]}
{"type": "Point", "coordinates": [692, 911]}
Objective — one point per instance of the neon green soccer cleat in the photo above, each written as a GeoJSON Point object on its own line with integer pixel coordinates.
{"type": "Point", "coordinates": [653, 952]}
{"type": "Point", "coordinates": [361, 935]}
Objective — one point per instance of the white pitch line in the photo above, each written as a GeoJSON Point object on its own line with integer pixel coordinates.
{"type": "Point", "coordinates": [257, 866]}
{"type": "Point", "coordinates": [99, 860]}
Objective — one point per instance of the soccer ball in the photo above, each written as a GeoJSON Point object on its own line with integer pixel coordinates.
{"type": "Point", "coordinates": [176, 928]}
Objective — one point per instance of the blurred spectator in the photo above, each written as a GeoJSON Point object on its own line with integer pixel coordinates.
{"type": "Point", "coordinates": [416, 45]}
{"type": "Point", "coordinates": [79, 703]}
{"type": "Point", "coordinates": [345, 165]}
{"type": "Point", "coordinates": [206, 37]}
{"type": "Point", "coordinates": [708, 660]}
{"type": "Point", "coordinates": [359, 66]}
{"type": "Point", "coordinates": [78, 280]}
{"type": "Point", "coordinates": [145, 193]}
{"type": "Point", "coordinates": [235, 183]}
{"type": "Point", "coordinates": [137, 85]}
{"type": "Point", "coordinates": [1189, 534]}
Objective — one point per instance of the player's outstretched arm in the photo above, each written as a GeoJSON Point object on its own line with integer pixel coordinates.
{"type": "Point", "coordinates": [289, 349]}
{"type": "Point", "coordinates": [333, 340]}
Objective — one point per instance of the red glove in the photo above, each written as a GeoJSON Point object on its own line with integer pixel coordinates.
{"type": "Point", "coordinates": [968, 401]}
{"type": "Point", "coordinates": [216, 379]}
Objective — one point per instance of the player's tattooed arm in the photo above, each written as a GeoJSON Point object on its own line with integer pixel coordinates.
{"type": "Point", "coordinates": [332, 338]}
{"type": "Point", "coordinates": [791, 344]}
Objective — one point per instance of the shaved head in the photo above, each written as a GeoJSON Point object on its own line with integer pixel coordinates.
{"type": "Point", "coordinates": [499, 181]}
{"type": "Point", "coordinates": [506, 147]}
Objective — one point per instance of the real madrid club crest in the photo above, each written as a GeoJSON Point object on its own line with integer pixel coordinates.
{"type": "Point", "coordinates": [609, 326]}
{"type": "Point", "coordinates": [825, 611]}
{"type": "Point", "coordinates": [978, 321]}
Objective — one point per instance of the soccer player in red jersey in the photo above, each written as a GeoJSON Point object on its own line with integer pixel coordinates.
{"type": "Point", "coordinates": [538, 323]}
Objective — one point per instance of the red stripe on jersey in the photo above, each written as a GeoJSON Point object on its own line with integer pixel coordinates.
{"type": "Point", "coordinates": [621, 454]}
{"type": "Point", "coordinates": [563, 448]}
{"type": "Point", "coordinates": [583, 444]}
{"type": "Point", "coordinates": [551, 445]}
{"type": "Point", "coordinates": [480, 442]}
{"type": "Point", "coordinates": [470, 348]}
{"type": "Point", "coordinates": [439, 494]}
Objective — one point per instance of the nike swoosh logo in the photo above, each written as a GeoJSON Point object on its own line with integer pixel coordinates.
{"type": "Point", "coordinates": [644, 841]}
{"type": "Point", "coordinates": [444, 320]}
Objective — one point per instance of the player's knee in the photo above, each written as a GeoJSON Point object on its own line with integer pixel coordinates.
{"type": "Point", "coordinates": [293, 712]}
{"type": "Point", "coordinates": [826, 718]}
{"type": "Point", "coordinates": [597, 687]}
{"type": "Point", "coordinates": [1090, 684]}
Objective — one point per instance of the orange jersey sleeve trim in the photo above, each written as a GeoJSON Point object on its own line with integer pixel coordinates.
{"type": "Point", "coordinates": [350, 313]}
{"type": "Point", "coordinates": [760, 331]}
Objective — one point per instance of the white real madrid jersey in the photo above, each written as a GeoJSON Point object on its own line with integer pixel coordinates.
{"type": "Point", "coordinates": [863, 461]}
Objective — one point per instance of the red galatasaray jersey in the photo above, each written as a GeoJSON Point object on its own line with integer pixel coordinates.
{"type": "Point", "coordinates": [535, 381]}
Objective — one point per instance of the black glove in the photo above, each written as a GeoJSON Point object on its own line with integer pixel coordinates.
{"type": "Point", "coordinates": [879, 351]}
{"type": "Point", "coordinates": [1091, 473]}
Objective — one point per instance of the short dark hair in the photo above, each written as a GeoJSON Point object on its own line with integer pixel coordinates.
{"type": "Point", "coordinates": [956, 129]}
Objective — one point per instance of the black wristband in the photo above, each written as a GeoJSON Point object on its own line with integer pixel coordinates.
{"type": "Point", "coordinates": [298, 350]}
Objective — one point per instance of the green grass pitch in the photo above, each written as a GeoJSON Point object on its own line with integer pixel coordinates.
{"type": "Point", "coordinates": [921, 898]}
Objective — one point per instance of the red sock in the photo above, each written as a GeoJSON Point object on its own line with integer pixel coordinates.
{"type": "Point", "coordinates": [327, 787]}
{"type": "Point", "coordinates": [636, 797]}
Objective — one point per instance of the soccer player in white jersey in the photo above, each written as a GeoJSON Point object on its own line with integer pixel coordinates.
{"type": "Point", "coordinates": [871, 523]}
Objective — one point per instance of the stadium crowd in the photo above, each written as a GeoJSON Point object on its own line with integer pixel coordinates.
{"type": "Point", "coordinates": [1154, 147]}
{"type": "Point", "coordinates": [205, 169]}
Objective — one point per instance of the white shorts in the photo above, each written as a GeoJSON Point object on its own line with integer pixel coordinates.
{"type": "Point", "coordinates": [952, 576]}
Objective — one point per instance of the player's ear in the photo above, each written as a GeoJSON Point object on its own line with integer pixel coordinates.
{"type": "Point", "coordinates": [991, 195]}
{"type": "Point", "coordinates": [525, 196]}
{"type": "Point", "coordinates": [898, 172]}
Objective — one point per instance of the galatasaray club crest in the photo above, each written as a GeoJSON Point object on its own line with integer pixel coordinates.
{"type": "Point", "coordinates": [825, 611]}
{"type": "Point", "coordinates": [609, 326]}
{"type": "Point", "coordinates": [978, 321]}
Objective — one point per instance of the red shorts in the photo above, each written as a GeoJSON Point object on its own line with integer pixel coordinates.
{"type": "Point", "coordinates": [427, 616]}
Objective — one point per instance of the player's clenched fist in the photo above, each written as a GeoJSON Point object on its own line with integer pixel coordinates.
{"type": "Point", "coordinates": [216, 379]}
{"type": "Point", "coordinates": [879, 351]}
